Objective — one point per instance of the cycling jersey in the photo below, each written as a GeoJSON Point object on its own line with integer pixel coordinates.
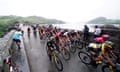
{"type": "Point", "coordinates": [17, 35]}
{"type": "Point", "coordinates": [105, 47]}
{"type": "Point", "coordinates": [50, 44]}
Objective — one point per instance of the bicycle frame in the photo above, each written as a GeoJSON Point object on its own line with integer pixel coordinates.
{"type": "Point", "coordinates": [54, 56]}
{"type": "Point", "coordinates": [111, 68]}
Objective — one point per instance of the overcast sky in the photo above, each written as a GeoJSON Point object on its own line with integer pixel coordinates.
{"type": "Point", "coordinates": [66, 10]}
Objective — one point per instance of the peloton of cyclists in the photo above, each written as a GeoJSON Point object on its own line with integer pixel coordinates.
{"type": "Point", "coordinates": [58, 37]}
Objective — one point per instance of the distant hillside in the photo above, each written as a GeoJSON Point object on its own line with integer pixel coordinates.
{"type": "Point", "coordinates": [103, 20]}
{"type": "Point", "coordinates": [41, 20]}
{"type": "Point", "coordinates": [7, 22]}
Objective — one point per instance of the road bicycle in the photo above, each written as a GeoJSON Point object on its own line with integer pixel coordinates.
{"type": "Point", "coordinates": [65, 53]}
{"type": "Point", "coordinates": [55, 58]}
{"type": "Point", "coordinates": [72, 47]}
{"type": "Point", "coordinates": [87, 58]}
{"type": "Point", "coordinates": [107, 67]}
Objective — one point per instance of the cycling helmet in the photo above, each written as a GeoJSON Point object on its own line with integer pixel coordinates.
{"type": "Point", "coordinates": [51, 38]}
{"type": "Point", "coordinates": [109, 44]}
{"type": "Point", "coordinates": [105, 36]}
{"type": "Point", "coordinates": [65, 34]}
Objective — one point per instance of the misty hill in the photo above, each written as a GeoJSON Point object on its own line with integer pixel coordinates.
{"type": "Point", "coordinates": [32, 19]}
{"type": "Point", "coordinates": [6, 22]}
{"type": "Point", "coordinates": [103, 20]}
{"type": "Point", "coordinates": [41, 20]}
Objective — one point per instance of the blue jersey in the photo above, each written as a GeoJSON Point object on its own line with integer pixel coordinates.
{"type": "Point", "coordinates": [17, 35]}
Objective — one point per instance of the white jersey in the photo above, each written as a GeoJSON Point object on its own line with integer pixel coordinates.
{"type": "Point", "coordinates": [97, 31]}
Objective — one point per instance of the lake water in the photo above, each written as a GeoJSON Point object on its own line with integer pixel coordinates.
{"type": "Point", "coordinates": [79, 26]}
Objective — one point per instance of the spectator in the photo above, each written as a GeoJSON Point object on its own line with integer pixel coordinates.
{"type": "Point", "coordinates": [86, 32]}
{"type": "Point", "coordinates": [97, 32]}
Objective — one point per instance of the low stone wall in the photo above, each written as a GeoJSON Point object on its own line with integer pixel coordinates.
{"type": "Point", "coordinates": [5, 45]}
{"type": "Point", "coordinates": [115, 36]}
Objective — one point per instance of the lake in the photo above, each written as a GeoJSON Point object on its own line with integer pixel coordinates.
{"type": "Point", "coordinates": [79, 26]}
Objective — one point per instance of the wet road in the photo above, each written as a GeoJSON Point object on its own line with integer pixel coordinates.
{"type": "Point", "coordinates": [39, 61]}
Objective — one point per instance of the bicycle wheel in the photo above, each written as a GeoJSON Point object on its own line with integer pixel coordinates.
{"type": "Point", "coordinates": [65, 54]}
{"type": "Point", "coordinates": [84, 57]}
{"type": "Point", "coordinates": [106, 68]}
{"type": "Point", "coordinates": [72, 48]}
{"type": "Point", "coordinates": [79, 45]}
{"type": "Point", "coordinates": [58, 63]}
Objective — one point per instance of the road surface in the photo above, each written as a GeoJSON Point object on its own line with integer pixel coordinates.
{"type": "Point", "coordinates": [39, 61]}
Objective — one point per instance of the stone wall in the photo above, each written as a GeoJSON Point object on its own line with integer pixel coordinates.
{"type": "Point", "coordinates": [115, 36]}
{"type": "Point", "coordinates": [5, 45]}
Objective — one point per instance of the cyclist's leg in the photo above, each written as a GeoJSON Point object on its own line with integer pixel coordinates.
{"type": "Point", "coordinates": [18, 42]}
{"type": "Point", "coordinates": [57, 45]}
{"type": "Point", "coordinates": [49, 54]}
{"type": "Point", "coordinates": [49, 51]}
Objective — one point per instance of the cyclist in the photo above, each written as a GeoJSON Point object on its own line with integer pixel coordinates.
{"type": "Point", "coordinates": [28, 29]}
{"type": "Point", "coordinates": [65, 37]}
{"type": "Point", "coordinates": [50, 46]}
{"type": "Point", "coordinates": [34, 28]}
{"type": "Point", "coordinates": [57, 40]}
{"type": "Point", "coordinates": [107, 49]}
{"type": "Point", "coordinates": [16, 37]}
{"type": "Point", "coordinates": [99, 49]}
{"type": "Point", "coordinates": [41, 32]}
{"type": "Point", "coordinates": [101, 39]}
{"type": "Point", "coordinates": [72, 36]}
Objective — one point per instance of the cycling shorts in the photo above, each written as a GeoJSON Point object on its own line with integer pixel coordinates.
{"type": "Point", "coordinates": [16, 40]}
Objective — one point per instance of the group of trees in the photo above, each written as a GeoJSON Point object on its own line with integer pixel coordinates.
{"type": "Point", "coordinates": [4, 25]}
{"type": "Point", "coordinates": [7, 22]}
